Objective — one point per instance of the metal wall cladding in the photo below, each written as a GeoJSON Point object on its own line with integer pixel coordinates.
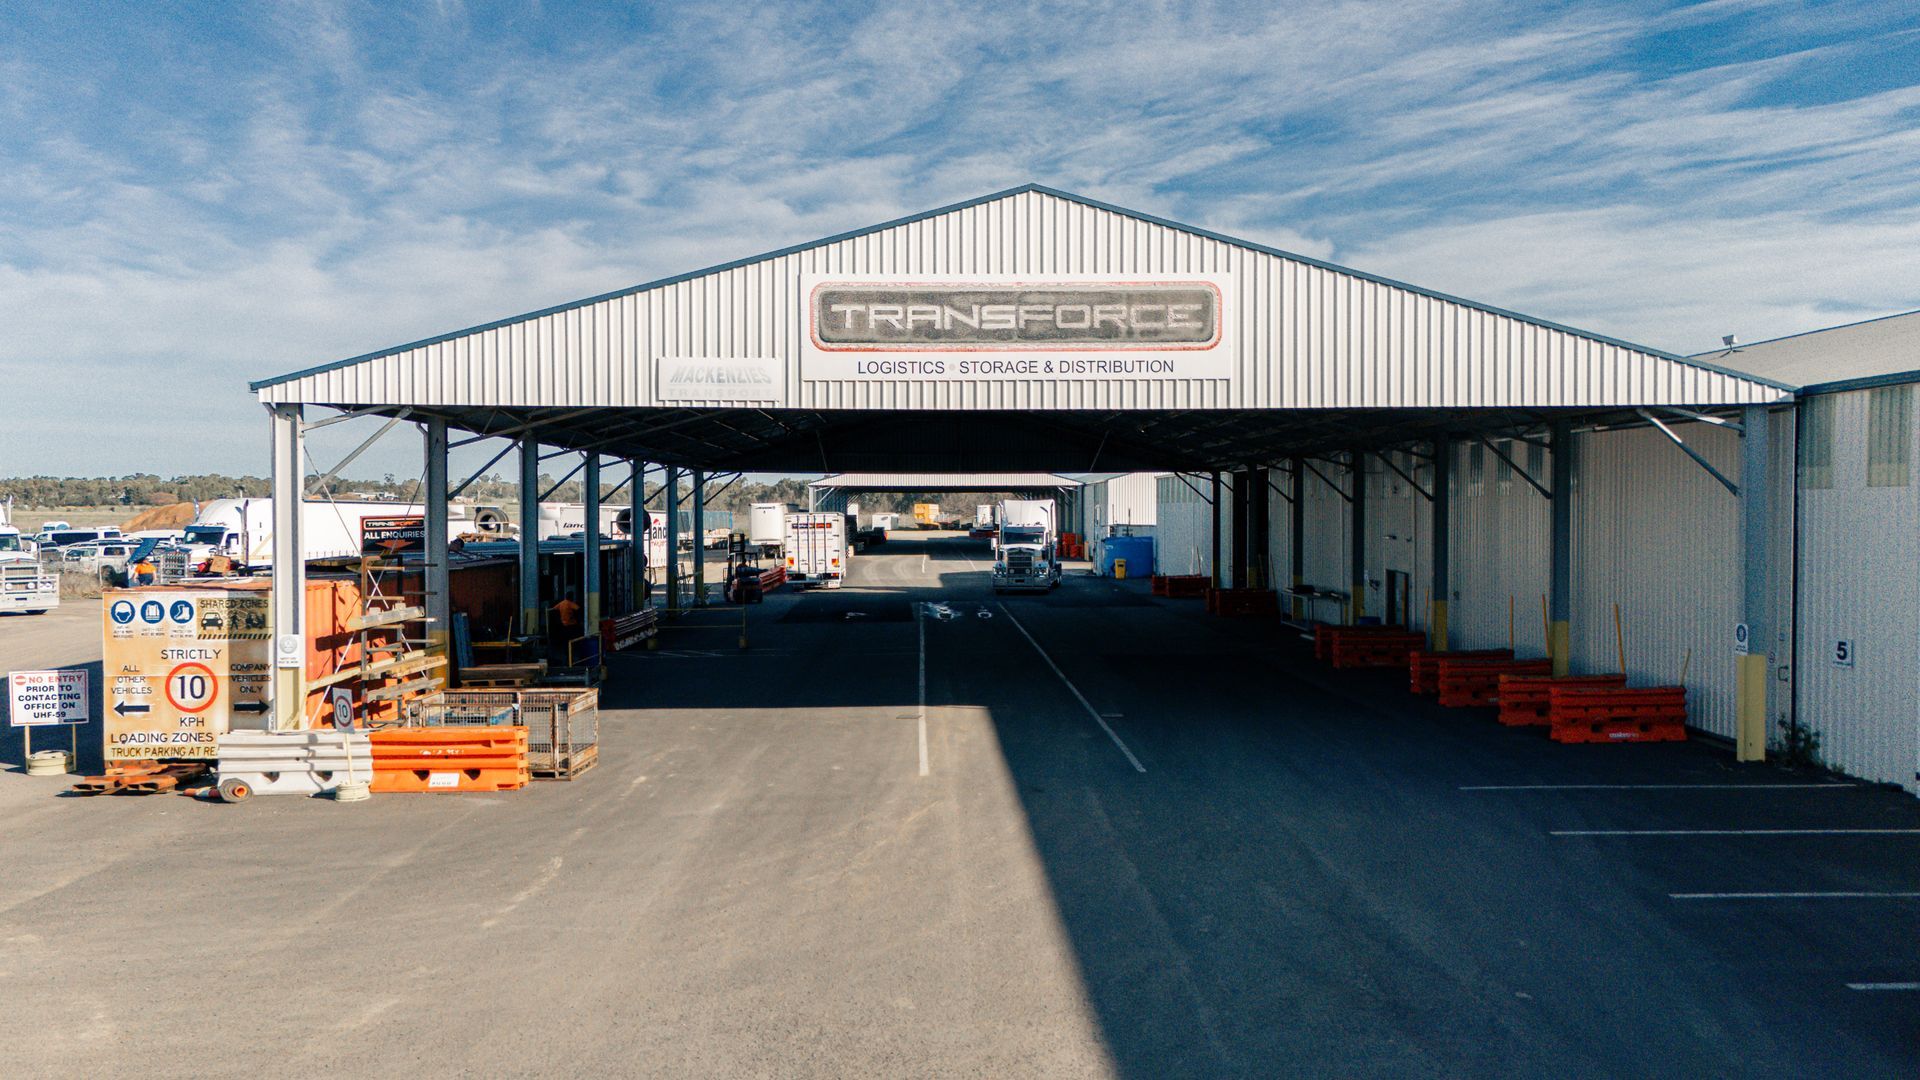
{"type": "Point", "coordinates": [1326, 562]}
{"type": "Point", "coordinates": [1183, 534]}
{"type": "Point", "coordinates": [1860, 583]}
{"type": "Point", "coordinates": [1307, 336]}
{"type": "Point", "coordinates": [1654, 533]}
{"type": "Point", "coordinates": [1133, 499]}
{"type": "Point", "coordinates": [1500, 548]}
{"type": "Point", "coordinates": [1399, 522]}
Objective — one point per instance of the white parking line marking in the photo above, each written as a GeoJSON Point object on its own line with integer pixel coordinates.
{"type": "Point", "coordinates": [1794, 896]}
{"type": "Point", "coordinates": [922, 624]}
{"type": "Point", "coordinates": [1734, 832]}
{"type": "Point", "coordinates": [1084, 703]}
{"type": "Point", "coordinates": [1656, 787]}
{"type": "Point", "coordinates": [1884, 986]}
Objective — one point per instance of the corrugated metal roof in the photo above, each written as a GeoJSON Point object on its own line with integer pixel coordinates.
{"type": "Point", "coordinates": [1846, 357]}
{"type": "Point", "coordinates": [1305, 334]}
{"type": "Point", "coordinates": [1010, 481]}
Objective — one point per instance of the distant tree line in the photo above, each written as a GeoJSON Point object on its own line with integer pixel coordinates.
{"type": "Point", "coordinates": [146, 489]}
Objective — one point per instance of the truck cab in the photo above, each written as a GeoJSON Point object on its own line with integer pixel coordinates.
{"type": "Point", "coordinates": [23, 585]}
{"type": "Point", "coordinates": [1024, 549]}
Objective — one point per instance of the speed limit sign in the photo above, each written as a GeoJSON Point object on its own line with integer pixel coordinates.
{"type": "Point", "coordinates": [191, 687]}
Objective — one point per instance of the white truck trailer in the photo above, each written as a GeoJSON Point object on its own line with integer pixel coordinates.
{"type": "Point", "coordinates": [1024, 552]}
{"type": "Point", "coordinates": [983, 516]}
{"type": "Point", "coordinates": [23, 585]}
{"type": "Point", "coordinates": [767, 528]}
{"type": "Point", "coordinates": [242, 529]}
{"type": "Point", "coordinates": [817, 550]}
{"type": "Point", "coordinates": [559, 520]}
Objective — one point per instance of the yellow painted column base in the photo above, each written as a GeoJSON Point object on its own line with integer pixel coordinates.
{"type": "Point", "coordinates": [1357, 605]}
{"type": "Point", "coordinates": [1750, 709]}
{"type": "Point", "coordinates": [289, 698]}
{"type": "Point", "coordinates": [1560, 647]}
{"type": "Point", "coordinates": [1299, 605]}
{"type": "Point", "coordinates": [1437, 626]}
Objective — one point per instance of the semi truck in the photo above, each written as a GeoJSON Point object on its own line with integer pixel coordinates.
{"type": "Point", "coordinates": [23, 585]}
{"type": "Point", "coordinates": [816, 547]}
{"type": "Point", "coordinates": [242, 529]}
{"type": "Point", "coordinates": [1024, 552]}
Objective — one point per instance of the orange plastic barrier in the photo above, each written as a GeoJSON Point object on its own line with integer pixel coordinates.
{"type": "Point", "coordinates": [1242, 602]}
{"type": "Point", "coordinates": [1525, 699]}
{"type": "Point", "coordinates": [1423, 670]}
{"type": "Point", "coordinates": [1365, 646]}
{"type": "Point", "coordinates": [1465, 683]}
{"type": "Point", "coordinates": [1180, 586]}
{"type": "Point", "coordinates": [427, 759]}
{"type": "Point", "coordinates": [1581, 714]}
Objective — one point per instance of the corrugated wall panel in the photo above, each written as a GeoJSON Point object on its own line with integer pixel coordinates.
{"type": "Point", "coordinates": [1657, 535]}
{"type": "Point", "coordinates": [1501, 547]}
{"type": "Point", "coordinates": [1860, 583]}
{"type": "Point", "coordinates": [1183, 534]}
{"type": "Point", "coordinates": [1309, 336]}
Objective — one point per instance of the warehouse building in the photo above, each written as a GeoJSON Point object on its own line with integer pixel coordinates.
{"type": "Point", "coordinates": [1364, 444]}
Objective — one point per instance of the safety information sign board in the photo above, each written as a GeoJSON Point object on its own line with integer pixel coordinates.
{"type": "Point", "coordinates": [181, 665]}
{"type": "Point", "coordinates": [46, 698]}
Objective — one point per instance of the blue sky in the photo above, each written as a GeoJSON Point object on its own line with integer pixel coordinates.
{"type": "Point", "coordinates": [198, 195]}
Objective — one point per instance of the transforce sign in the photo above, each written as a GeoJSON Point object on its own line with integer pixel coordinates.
{"type": "Point", "coordinates": [959, 318]}
{"type": "Point", "coordinates": [1016, 328]}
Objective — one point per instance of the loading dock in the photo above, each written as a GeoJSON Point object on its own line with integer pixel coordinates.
{"type": "Point", "coordinates": [1037, 329]}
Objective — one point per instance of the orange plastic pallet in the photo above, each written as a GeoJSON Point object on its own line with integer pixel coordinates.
{"type": "Point", "coordinates": [1602, 731]}
{"type": "Point", "coordinates": [411, 781]}
{"type": "Point", "coordinates": [1423, 671]}
{"type": "Point", "coordinates": [1525, 699]}
{"type": "Point", "coordinates": [1375, 650]}
{"type": "Point", "coordinates": [1475, 681]}
{"type": "Point", "coordinates": [1327, 637]}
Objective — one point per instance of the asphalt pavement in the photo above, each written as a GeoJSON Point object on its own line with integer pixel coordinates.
{"type": "Point", "coordinates": [920, 830]}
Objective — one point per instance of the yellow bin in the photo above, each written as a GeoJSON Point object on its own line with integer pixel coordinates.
{"type": "Point", "coordinates": [1119, 568]}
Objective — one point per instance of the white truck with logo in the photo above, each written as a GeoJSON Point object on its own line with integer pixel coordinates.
{"type": "Point", "coordinates": [242, 529]}
{"type": "Point", "coordinates": [23, 585]}
{"type": "Point", "coordinates": [767, 527]}
{"type": "Point", "coordinates": [1024, 553]}
{"type": "Point", "coordinates": [816, 546]}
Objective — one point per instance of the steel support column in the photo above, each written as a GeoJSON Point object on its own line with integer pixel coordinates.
{"type": "Point", "coordinates": [1242, 515]}
{"type": "Point", "coordinates": [637, 530]}
{"type": "Point", "coordinates": [1216, 530]}
{"type": "Point", "coordinates": [1442, 510]}
{"type": "Point", "coordinates": [438, 579]}
{"type": "Point", "coordinates": [1259, 531]}
{"type": "Point", "coordinates": [592, 604]}
{"type": "Point", "coordinates": [288, 600]}
{"type": "Point", "coordinates": [1560, 598]}
{"type": "Point", "coordinates": [700, 538]}
{"type": "Point", "coordinates": [531, 609]}
{"type": "Point", "coordinates": [1755, 668]}
{"type": "Point", "coordinates": [671, 572]}
{"type": "Point", "coordinates": [1297, 541]}
{"type": "Point", "coordinates": [1357, 519]}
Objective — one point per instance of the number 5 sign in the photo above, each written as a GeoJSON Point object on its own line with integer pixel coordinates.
{"type": "Point", "coordinates": [1843, 654]}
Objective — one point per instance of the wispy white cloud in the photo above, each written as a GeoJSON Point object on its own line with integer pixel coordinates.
{"type": "Point", "coordinates": [333, 177]}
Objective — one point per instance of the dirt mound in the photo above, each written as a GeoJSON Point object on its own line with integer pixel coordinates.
{"type": "Point", "coordinates": [174, 516]}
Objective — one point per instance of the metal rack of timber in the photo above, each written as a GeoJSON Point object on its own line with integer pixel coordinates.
{"type": "Point", "coordinates": [1423, 666]}
{"type": "Point", "coordinates": [392, 668]}
{"type": "Point", "coordinates": [1242, 602]}
{"type": "Point", "coordinates": [1465, 682]}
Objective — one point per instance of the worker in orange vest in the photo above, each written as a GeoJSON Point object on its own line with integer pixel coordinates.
{"type": "Point", "coordinates": [566, 616]}
{"type": "Point", "coordinates": [144, 571]}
